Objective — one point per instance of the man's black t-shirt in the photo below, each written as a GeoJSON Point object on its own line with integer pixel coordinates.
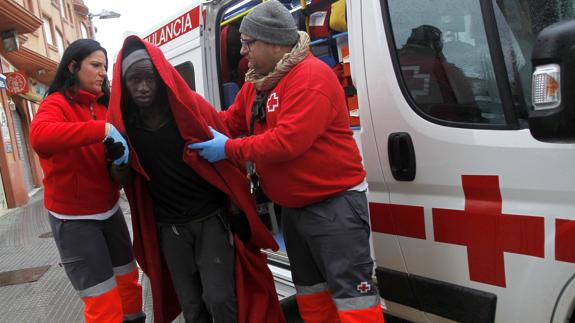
{"type": "Point", "coordinates": [180, 195]}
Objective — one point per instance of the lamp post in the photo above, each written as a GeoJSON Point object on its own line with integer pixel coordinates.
{"type": "Point", "coordinates": [105, 14]}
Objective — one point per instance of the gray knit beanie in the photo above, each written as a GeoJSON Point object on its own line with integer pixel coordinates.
{"type": "Point", "coordinates": [272, 23]}
{"type": "Point", "coordinates": [132, 58]}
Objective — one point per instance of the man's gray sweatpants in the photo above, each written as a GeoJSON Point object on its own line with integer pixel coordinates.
{"type": "Point", "coordinates": [200, 257]}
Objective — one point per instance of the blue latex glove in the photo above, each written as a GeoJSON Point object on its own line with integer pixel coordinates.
{"type": "Point", "coordinates": [212, 150]}
{"type": "Point", "coordinates": [115, 135]}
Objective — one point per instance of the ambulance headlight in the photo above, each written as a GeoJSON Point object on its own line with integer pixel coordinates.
{"type": "Point", "coordinates": [546, 87]}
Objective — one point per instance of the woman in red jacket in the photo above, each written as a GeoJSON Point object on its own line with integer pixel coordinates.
{"type": "Point", "coordinates": [82, 201]}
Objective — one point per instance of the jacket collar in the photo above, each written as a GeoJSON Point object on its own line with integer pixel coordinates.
{"type": "Point", "coordinates": [85, 98]}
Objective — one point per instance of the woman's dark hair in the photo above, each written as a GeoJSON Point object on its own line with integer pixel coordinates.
{"type": "Point", "coordinates": [67, 82]}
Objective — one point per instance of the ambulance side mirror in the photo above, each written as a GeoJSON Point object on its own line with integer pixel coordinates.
{"type": "Point", "coordinates": [552, 115]}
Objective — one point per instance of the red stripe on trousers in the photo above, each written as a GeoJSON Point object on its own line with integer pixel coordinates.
{"type": "Point", "coordinates": [317, 308]}
{"type": "Point", "coordinates": [130, 292]}
{"type": "Point", "coordinates": [106, 307]}
{"type": "Point", "coordinates": [372, 314]}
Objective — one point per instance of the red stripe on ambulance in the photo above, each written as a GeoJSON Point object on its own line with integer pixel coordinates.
{"type": "Point", "coordinates": [401, 220]}
{"type": "Point", "coordinates": [565, 240]}
{"type": "Point", "coordinates": [175, 28]}
{"type": "Point", "coordinates": [486, 232]}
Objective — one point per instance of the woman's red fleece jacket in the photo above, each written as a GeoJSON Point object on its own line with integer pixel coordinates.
{"type": "Point", "coordinates": [69, 143]}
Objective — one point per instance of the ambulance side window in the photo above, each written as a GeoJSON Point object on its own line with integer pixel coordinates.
{"type": "Point", "coordinates": [186, 70]}
{"type": "Point", "coordinates": [445, 62]}
{"type": "Point", "coordinates": [519, 23]}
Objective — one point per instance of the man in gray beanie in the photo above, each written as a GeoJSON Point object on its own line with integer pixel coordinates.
{"type": "Point", "coordinates": [132, 58]}
{"type": "Point", "coordinates": [271, 23]}
{"type": "Point", "coordinates": [291, 120]}
{"type": "Point", "coordinates": [270, 28]}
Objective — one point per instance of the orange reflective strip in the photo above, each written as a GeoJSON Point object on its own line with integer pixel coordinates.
{"type": "Point", "coordinates": [317, 308]}
{"type": "Point", "coordinates": [130, 292]}
{"type": "Point", "coordinates": [103, 308]}
{"type": "Point", "coordinates": [371, 314]}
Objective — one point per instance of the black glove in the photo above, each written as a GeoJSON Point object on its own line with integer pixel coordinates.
{"type": "Point", "coordinates": [114, 149]}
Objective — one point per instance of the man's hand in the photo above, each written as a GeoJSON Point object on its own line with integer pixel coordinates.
{"type": "Point", "coordinates": [114, 150]}
{"type": "Point", "coordinates": [212, 150]}
{"type": "Point", "coordinates": [113, 134]}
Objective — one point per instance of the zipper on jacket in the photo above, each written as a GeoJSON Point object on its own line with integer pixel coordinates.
{"type": "Point", "coordinates": [92, 110]}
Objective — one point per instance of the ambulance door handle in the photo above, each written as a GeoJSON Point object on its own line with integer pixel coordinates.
{"type": "Point", "coordinates": [401, 156]}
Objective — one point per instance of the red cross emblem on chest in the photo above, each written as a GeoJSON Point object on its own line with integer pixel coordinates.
{"type": "Point", "coordinates": [364, 287]}
{"type": "Point", "coordinates": [486, 231]}
{"type": "Point", "coordinates": [273, 102]}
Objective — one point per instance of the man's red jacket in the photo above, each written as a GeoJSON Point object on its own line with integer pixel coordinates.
{"type": "Point", "coordinates": [256, 295]}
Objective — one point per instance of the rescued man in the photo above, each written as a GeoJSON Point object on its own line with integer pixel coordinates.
{"type": "Point", "coordinates": [179, 202]}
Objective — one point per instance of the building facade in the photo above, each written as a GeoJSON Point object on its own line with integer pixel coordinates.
{"type": "Point", "coordinates": [34, 34]}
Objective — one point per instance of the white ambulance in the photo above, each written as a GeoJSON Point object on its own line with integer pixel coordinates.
{"type": "Point", "coordinates": [466, 117]}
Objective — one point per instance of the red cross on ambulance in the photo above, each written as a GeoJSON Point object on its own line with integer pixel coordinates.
{"type": "Point", "coordinates": [486, 232]}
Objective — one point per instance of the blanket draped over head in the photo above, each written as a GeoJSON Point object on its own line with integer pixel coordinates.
{"type": "Point", "coordinates": [256, 296]}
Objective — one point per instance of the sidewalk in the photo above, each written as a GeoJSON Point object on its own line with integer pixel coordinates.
{"type": "Point", "coordinates": [26, 246]}
{"type": "Point", "coordinates": [26, 242]}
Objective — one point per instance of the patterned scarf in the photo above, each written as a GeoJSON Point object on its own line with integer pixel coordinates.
{"type": "Point", "coordinates": [264, 83]}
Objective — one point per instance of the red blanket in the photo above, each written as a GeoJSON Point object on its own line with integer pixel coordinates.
{"type": "Point", "coordinates": [255, 290]}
